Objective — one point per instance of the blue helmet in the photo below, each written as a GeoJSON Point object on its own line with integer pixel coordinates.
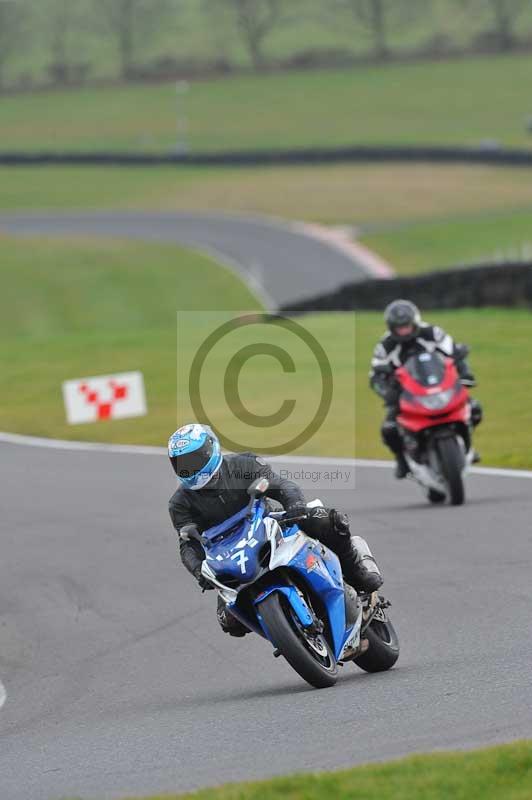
{"type": "Point", "coordinates": [195, 455]}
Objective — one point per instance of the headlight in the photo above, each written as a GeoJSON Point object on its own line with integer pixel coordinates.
{"type": "Point", "coordinates": [436, 401]}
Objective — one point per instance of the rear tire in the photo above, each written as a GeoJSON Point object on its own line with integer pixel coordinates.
{"type": "Point", "coordinates": [383, 650]}
{"type": "Point", "coordinates": [452, 464]}
{"type": "Point", "coordinates": [290, 641]}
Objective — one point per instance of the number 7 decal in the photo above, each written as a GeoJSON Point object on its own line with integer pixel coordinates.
{"type": "Point", "coordinates": [242, 559]}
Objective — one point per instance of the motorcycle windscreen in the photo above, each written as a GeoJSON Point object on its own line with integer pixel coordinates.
{"type": "Point", "coordinates": [428, 369]}
{"type": "Point", "coordinates": [237, 558]}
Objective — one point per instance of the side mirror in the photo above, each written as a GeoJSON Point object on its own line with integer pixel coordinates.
{"type": "Point", "coordinates": [259, 487]}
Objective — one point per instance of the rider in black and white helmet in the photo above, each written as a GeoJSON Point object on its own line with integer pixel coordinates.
{"type": "Point", "coordinates": [407, 335]}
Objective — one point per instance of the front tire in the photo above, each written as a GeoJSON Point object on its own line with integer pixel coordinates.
{"type": "Point", "coordinates": [452, 464]}
{"type": "Point", "coordinates": [383, 650]}
{"type": "Point", "coordinates": [288, 636]}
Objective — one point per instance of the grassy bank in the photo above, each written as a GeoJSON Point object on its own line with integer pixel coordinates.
{"type": "Point", "coordinates": [359, 195]}
{"type": "Point", "coordinates": [454, 102]}
{"type": "Point", "coordinates": [489, 774]}
{"type": "Point", "coordinates": [71, 310]}
{"type": "Point", "coordinates": [457, 241]}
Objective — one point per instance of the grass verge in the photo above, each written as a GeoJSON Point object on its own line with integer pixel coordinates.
{"type": "Point", "coordinates": [360, 195]}
{"type": "Point", "coordinates": [448, 102]}
{"type": "Point", "coordinates": [73, 309]}
{"type": "Point", "coordinates": [460, 241]}
{"type": "Point", "coordinates": [488, 774]}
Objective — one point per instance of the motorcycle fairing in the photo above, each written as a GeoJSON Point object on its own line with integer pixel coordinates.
{"type": "Point", "coordinates": [236, 557]}
{"type": "Point", "coordinates": [413, 415]}
{"type": "Point", "coordinates": [319, 568]}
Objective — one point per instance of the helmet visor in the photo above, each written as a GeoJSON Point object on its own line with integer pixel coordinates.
{"type": "Point", "coordinates": [404, 330]}
{"type": "Point", "coordinates": [188, 464]}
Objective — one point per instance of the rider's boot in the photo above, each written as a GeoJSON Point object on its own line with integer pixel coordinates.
{"type": "Point", "coordinates": [367, 574]}
{"type": "Point", "coordinates": [228, 622]}
{"type": "Point", "coordinates": [401, 466]}
{"type": "Point", "coordinates": [356, 559]}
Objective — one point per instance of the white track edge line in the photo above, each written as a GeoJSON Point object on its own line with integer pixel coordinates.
{"type": "Point", "coordinates": [65, 444]}
{"type": "Point", "coordinates": [3, 694]}
{"type": "Point", "coordinates": [147, 450]}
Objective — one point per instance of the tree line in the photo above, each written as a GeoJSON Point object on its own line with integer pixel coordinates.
{"type": "Point", "coordinates": [130, 27]}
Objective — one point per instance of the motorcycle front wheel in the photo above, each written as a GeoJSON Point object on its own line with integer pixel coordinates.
{"type": "Point", "coordinates": [309, 654]}
{"type": "Point", "coordinates": [452, 463]}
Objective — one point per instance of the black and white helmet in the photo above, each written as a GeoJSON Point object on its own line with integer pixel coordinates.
{"type": "Point", "coordinates": [402, 314]}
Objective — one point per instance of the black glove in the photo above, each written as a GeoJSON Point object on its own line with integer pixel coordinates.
{"type": "Point", "coordinates": [190, 531]}
{"type": "Point", "coordinates": [204, 584]}
{"type": "Point", "coordinates": [339, 521]}
{"type": "Point", "coordinates": [296, 510]}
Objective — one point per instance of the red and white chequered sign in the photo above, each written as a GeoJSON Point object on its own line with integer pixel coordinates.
{"type": "Point", "coordinates": [104, 397]}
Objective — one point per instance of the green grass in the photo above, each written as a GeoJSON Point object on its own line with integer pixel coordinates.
{"type": "Point", "coordinates": [359, 195]}
{"type": "Point", "coordinates": [455, 102]}
{"type": "Point", "coordinates": [489, 774]}
{"type": "Point", "coordinates": [460, 241]}
{"type": "Point", "coordinates": [72, 309]}
{"type": "Point", "coordinates": [62, 288]}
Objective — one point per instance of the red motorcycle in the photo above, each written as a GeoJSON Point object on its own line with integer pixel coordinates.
{"type": "Point", "coordinates": [434, 422]}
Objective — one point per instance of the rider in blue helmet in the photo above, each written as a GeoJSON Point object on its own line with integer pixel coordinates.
{"type": "Point", "coordinates": [195, 455]}
{"type": "Point", "coordinates": [213, 487]}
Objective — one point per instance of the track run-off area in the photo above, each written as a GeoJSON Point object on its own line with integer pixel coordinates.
{"type": "Point", "coordinates": [119, 680]}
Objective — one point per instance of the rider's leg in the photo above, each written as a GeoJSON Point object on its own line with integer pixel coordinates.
{"type": "Point", "coordinates": [359, 567]}
{"type": "Point", "coordinates": [476, 418]}
{"type": "Point", "coordinates": [228, 622]}
{"type": "Point", "coordinates": [477, 412]}
{"type": "Point", "coordinates": [392, 440]}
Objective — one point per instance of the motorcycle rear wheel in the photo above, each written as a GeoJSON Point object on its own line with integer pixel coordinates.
{"type": "Point", "coordinates": [452, 464]}
{"type": "Point", "coordinates": [383, 650]}
{"type": "Point", "coordinates": [310, 656]}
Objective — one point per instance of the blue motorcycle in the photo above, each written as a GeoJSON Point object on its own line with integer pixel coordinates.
{"type": "Point", "coordinates": [288, 588]}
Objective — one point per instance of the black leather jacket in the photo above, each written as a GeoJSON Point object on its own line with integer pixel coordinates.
{"type": "Point", "coordinates": [223, 497]}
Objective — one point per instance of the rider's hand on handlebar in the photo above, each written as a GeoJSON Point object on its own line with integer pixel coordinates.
{"type": "Point", "coordinates": [203, 583]}
{"type": "Point", "coordinates": [297, 511]}
{"type": "Point", "coordinates": [188, 532]}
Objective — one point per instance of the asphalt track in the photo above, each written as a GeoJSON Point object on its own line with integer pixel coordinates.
{"type": "Point", "coordinates": [279, 261]}
{"type": "Point", "coordinates": [119, 681]}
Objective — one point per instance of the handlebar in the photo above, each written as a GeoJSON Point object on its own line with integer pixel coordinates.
{"type": "Point", "coordinates": [282, 519]}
